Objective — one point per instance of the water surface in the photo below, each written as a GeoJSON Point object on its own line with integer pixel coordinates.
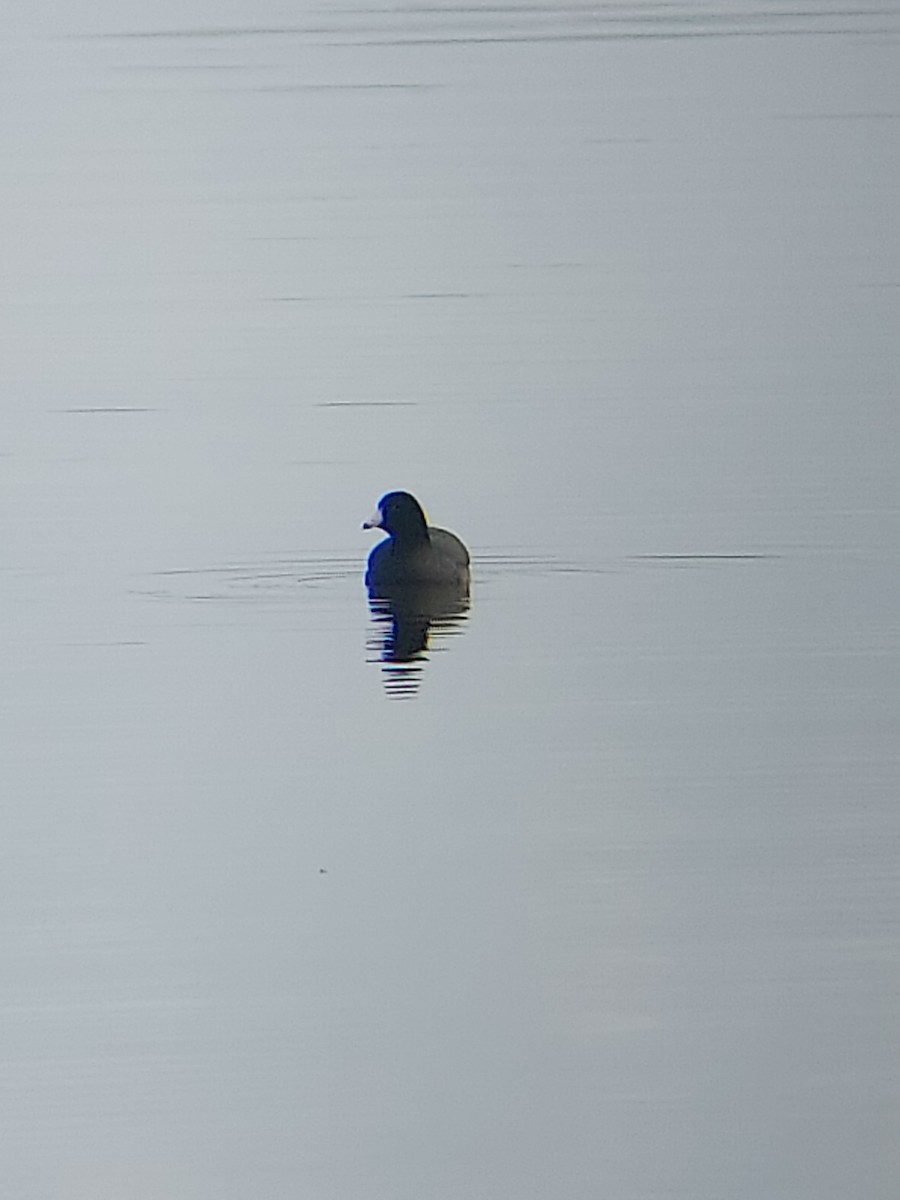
{"type": "Point", "coordinates": [595, 892]}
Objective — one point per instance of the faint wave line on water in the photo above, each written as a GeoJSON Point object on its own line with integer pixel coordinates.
{"type": "Point", "coordinates": [513, 23]}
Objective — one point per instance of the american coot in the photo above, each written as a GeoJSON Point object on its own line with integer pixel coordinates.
{"type": "Point", "coordinates": [415, 555]}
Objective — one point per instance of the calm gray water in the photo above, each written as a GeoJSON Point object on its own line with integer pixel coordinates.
{"type": "Point", "coordinates": [598, 898]}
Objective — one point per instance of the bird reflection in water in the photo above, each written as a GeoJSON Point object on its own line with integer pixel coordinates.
{"type": "Point", "coordinates": [408, 627]}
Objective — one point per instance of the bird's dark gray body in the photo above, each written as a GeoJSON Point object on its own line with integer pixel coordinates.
{"type": "Point", "coordinates": [415, 554]}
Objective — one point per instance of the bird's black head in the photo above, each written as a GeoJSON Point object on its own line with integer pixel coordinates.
{"type": "Point", "coordinates": [400, 515]}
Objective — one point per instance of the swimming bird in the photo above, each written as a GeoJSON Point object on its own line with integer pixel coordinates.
{"type": "Point", "coordinates": [414, 555]}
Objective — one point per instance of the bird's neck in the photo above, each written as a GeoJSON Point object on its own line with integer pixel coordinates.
{"type": "Point", "coordinates": [412, 535]}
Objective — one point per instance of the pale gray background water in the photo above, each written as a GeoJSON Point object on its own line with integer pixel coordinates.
{"type": "Point", "coordinates": [610, 904]}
